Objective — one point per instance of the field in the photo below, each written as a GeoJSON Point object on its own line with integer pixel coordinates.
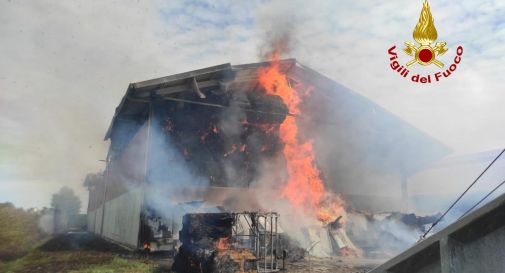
{"type": "Point", "coordinates": [79, 253]}
{"type": "Point", "coordinates": [18, 232]}
{"type": "Point", "coordinates": [25, 249]}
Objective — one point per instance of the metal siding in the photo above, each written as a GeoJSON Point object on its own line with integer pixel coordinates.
{"type": "Point", "coordinates": [122, 220]}
{"type": "Point", "coordinates": [95, 221]}
{"type": "Point", "coordinates": [91, 221]}
{"type": "Point", "coordinates": [98, 220]}
{"type": "Point", "coordinates": [128, 171]}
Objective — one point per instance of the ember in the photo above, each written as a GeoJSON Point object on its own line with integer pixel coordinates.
{"type": "Point", "coordinates": [147, 247]}
{"type": "Point", "coordinates": [222, 243]}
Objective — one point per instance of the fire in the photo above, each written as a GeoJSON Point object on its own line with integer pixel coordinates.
{"type": "Point", "coordinates": [231, 151]}
{"type": "Point", "coordinates": [265, 127]}
{"type": "Point", "coordinates": [222, 244]}
{"type": "Point", "coordinates": [242, 148]}
{"type": "Point", "coordinates": [147, 247]}
{"type": "Point", "coordinates": [203, 137]}
{"type": "Point", "coordinates": [331, 207]}
{"type": "Point", "coordinates": [348, 252]}
{"type": "Point", "coordinates": [304, 189]}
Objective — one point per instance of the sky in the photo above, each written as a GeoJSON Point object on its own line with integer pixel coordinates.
{"type": "Point", "coordinates": [65, 65]}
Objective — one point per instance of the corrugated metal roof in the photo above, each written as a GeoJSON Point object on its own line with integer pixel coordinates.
{"type": "Point", "coordinates": [138, 94]}
{"type": "Point", "coordinates": [386, 135]}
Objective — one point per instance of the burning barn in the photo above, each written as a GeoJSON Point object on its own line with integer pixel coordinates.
{"type": "Point", "coordinates": [241, 137]}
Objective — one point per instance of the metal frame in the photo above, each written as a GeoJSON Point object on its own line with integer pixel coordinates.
{"type": "Point", "coordinates": [261, 236]}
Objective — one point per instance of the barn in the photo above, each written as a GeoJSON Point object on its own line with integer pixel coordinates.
{"type": "Point", "coordinates": [194, 139]}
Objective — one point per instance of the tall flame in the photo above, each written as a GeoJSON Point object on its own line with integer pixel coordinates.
{"type": "Point", "coordinates": [304, 188]}
{"type": "Point", "coordinates": [425, 32]}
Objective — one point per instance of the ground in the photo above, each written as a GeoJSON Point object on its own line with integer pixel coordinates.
{"type": "Point", "coordinates": [81, 252]}
{"type": "Point", "coordinates": [333, 265]}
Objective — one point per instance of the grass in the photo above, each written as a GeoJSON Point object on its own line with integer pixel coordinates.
{"type": "Point", "coordinates": [77, 262]}
{"type": "Point", "coordinates": [120, 265]}
{"type": "Point", "coordinates": [18, 231]}
{"type": "Point", "coordinates": [24, 249]}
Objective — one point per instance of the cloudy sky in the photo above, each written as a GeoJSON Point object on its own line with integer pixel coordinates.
{"type": "Point", "coordinates": [64, 66]}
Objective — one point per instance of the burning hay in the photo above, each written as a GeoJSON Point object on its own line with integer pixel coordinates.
{"type": "Point", "coordinates": [218, 242]}
{"type": "Point", "coordinates": [202, 235]}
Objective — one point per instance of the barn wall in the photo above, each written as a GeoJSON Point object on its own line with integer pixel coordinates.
{"type": "Point", "coordinates": [120, 198]}
{"type": "Point", "coordinates": [122, 219]}
{"type": "Point", "coordinates": [95, 220]}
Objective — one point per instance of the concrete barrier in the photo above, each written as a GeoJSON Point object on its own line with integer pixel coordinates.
{"type": "Point", "coordinates": [473, 244]}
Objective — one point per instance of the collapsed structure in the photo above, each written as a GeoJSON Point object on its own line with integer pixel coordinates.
{"type": "Point", "coordinates": [198, 141]}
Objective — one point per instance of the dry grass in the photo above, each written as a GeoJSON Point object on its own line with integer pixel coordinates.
{"type": "Point", "coordinates": [18, 232]}
{"type": "Point", "coordinates": [39, 261]}
{"type": "Point", "coordinates": [23, 249]}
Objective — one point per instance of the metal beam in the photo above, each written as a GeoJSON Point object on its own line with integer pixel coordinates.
{"type": "Point", "coordinates": [196, 89]}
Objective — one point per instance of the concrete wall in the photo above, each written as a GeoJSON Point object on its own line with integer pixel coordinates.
{"type": "Point", "coordinates": [476, 243]}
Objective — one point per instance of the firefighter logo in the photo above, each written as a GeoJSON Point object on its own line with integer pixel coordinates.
{"type": "Point", "coordinates": [425, 34]}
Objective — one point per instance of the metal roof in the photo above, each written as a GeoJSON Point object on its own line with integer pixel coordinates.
{"type": "Point", "coordinates": [385, 133]}
{"type": "Point", "coordinates": [223, 76]}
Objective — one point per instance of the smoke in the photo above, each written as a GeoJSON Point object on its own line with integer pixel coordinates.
{"type": "Point", "coordinates": [231, 129]}
{"type": "Point", "coordinates": [172, 188]}
{"type": "Point", "coordinates": [277, 26]}
{"type": "Point", "coordinates": [46, 222]}
{"type": "Point", "coordinates": [383, 235]}
{"type": "Point", "coordinates": [60, 85]}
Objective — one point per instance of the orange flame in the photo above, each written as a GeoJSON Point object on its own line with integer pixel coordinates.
{"type": "Point", "coordinates": [348, 252]}
{"type": "Point", "coordinates": [147, 247]}
{"type": "Point", "coordinates": [231, 151]}
{"type": "Point", "coordinates": [330, 208]}
{"type": "Point", "coordinates": [222, 244]}
{"type": "Point", "coordinates": [304, 188]}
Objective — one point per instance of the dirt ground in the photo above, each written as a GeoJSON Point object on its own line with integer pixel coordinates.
{"type": "Point", "coordinates": [86, 253]}
{"type": "Point", "coordinates": [314, 265]}
{"type": "Point", "coordinates": [79, 252]}
{"type": "Point", "coordinates": [332, 264]}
